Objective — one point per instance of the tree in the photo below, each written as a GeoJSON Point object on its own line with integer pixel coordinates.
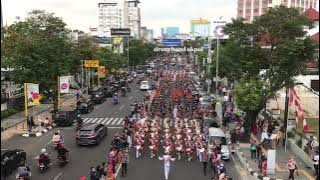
{"type": "Point", "coordinates": [282, 30]}
{"type": "Point", "coordinates": [139, 52]}
{"type": "Point", "coordinates": [110, 59]}
{"type": "Point", "coordinates": [38, 49]}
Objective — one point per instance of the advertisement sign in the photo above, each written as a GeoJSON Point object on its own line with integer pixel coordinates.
{"type": "Point", "coordinates": [172, 42]}
{"type": "Point", "coordinates": [64, 84]}
{"type": "Point", "coordinates": [102, 72]}
{"type": "Point", "coordinates": [200, 27]}
{"type": "Point", "coordinates": [117, 40]}
{"type": "Point", "coordinates": [91, 63]}
{"type": "Point", "coordinates": [218, 27]}
{"type": "Point", "coordinates": [120, 32]}
{"type": "Point", "coordinates": [271, 161]}
{"type": "Point", "coordinates": [33, 94]}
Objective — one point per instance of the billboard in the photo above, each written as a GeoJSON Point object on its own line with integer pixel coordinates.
{"type": "Point", "coordinates": [200, 27]}
{"type": "Point", "coordinates": [120, 32]}
{"type": "Point", "coordinates": [91, 63]}
{"type": "Point", "coordinates": [64, 84]}
{"type": "Point", "coordinates": [172, 42]}
{"type": "Point", "coordinates": [32, 94]}
{"type": "Point", "coordinates": [217, 31]}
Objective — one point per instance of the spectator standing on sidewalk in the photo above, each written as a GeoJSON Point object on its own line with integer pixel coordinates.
{"type": "Point", "coordinates": [125, 161]}
{"type": "Point", "coordinates": [264, 167]}
{"type": "Point", "coordinates": [253, 149]}
{"type": "Point", "coordinates": [292, 166]}
{"type": "Point", "coordinates": [316, 163]}
{"type": "Point", "coordinates": [273, 138]}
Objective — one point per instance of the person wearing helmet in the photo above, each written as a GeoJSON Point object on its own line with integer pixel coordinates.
{"type": "Point", "coordinates": [44, 157]}
{"type": "Point", "coordinates": [62, 151]}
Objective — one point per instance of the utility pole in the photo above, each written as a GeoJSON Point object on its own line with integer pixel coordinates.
{"type": "Point", "coordinates": [209, 63]}
{"type": "Point", "coordinates": [82, 75]}
{"type": "Point", "coordinates": [217, 65]}
{"type": "Point", "coordinates": [286, 113]}
{"type": "Point", "coordinates": [128, 54]}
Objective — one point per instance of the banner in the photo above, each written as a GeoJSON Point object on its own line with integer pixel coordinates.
{"type": "Point", "coordinates": [271, 161]}
{"type": "Point", "coordinates": [117, 40]}
{"type": "Point", "coordinates": [33, 94]}
{"type": "Point", "coordinates": [102, 72]}
{"type": "Point", "coordinates": [91, 63]}
{"type": "Point", "coordinates": [64, 84]}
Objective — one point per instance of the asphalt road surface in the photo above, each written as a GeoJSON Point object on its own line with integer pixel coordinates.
{"type": "Point", "coordinates": [81, 158]}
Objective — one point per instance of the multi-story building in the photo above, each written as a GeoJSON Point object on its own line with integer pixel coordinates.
{"type": "Point", "coordinates": [134, 18]}
{"type": "Point", "coordinates": [169, 32]}
{"type": "Point", "coordinates": [112, 14]}
{"type": "Point", "coordinates": [249, 9]}
{"type": "Point", "coordinates": [147, 34]}
{"type": "Point", "coordinates": [119, 14]}
{"type": "Point", "coordinates": [200, 27]}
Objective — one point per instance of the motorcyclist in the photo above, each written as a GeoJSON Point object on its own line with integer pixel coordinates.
{"type": "Point", "coordinates": [123, 90]}
{"type": "Point", "coordinates": [62, 151]}
{"type": "Point", "coordinates": [79, 121]}
{"type": "Point", "coordinates": [23, 171]}
{"type": "Point", "coordinates": [115, 97]}
{"type": "Point", "coordinates": [44, 157]}
{"type": "Point", "coordinates": [57, 138]}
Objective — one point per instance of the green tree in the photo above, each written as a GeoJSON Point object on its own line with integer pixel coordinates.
{"type": "Point", "coordinates": [39, 50]}
{"type": "Point", "coordinates": [140, 52]}
{"type": "Point", "coordinates": [282, 30]}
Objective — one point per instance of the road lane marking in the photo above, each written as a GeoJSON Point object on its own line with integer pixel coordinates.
{"type": "Point", "coordinates": [122, 106]}
{"type": "Point", "coordinates": [115, 120]}
{"type": "Point", "coordinates": [95, 120]}
{"type": "Point", "coordinates": [120, 121]}
{"type": "Point", "coordinates": [115, 127]}
{"type": "Point", "coordinates": [108, 121]}
{"type": "Point", "coordinates": [89, 120]}
{"type": "Point", "coordinates": [136, 90]}
{"type": "Point", "coordinates": [104, 121]}
{"type": "Point", "coordinates": [130, 97]}
{"type": "Point", "coordinates": [58, 176]}
{"type": "Point", "coordinates": [100, 120]}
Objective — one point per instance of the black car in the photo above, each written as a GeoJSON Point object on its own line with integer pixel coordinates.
{"type": "Point", "coordinates": [65, 118]}
{"type": "Point", "coordinates": [91, 134]}
{"type": "Point", "coordinates": [10, 160]}
{"type": "Point", "coordinates": [98, 97]}
{"type": "Point", "coordinates": [85, 106]}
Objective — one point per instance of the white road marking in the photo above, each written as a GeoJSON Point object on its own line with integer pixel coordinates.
{"type": "Point", "coordinates": [89, 120]}
{"type": "Point", "coordinates": [99, 121]}
{"type": "Point", "coordinates": [120, 121]}
{"type": "Point", "coordinates": [108, 121]}
{"type": "Point", "coordinates": [130, 97]}
{"type": "Point", "coordinates": [95, 120]}
{"type": "Point", "coordinates": [136, 90]}
{"type": "Point", "coordinates": [122, 106]}
{"type": "Point", "coordinates": [115, 120]}
{"type": "Point", "coordinates": [118, 127]}
{"type": "Point", "coordinates": [104, 121]}
{"type": "Point", "coordinates": [58, 176]}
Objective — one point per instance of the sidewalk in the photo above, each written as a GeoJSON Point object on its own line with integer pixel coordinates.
{"type": "Point", "coordinates": [16, 124]}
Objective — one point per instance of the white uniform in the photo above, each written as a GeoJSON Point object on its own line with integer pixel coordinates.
{"type": "Point", "coordinates": [166, 159]}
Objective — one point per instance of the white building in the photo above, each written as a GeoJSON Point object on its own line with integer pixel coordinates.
{"type": "Point", "coordinates": [147, 34]}
{"type": "Point", "coordinates": [112, 14]}
{"type": "Point", "coordinates": [134, 18]}
{"type": "Point", "coordinates": [119, 14]}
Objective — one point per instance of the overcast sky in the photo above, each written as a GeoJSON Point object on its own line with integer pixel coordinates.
{"type": "Point", "coordinates": [82, 14]}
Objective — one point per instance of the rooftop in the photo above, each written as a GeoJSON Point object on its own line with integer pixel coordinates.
{"type": "Point", "coordinates": [312, 14]}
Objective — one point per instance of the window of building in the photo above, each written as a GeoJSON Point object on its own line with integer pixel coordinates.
{"type": "Point", "coordinates": [240, 11]}
{"type": "Point", "coordinates": [248, 11]}
{"type": "Point", "coordinates": [270, 1]}
{"type": "Point", "coordinates": [315, 85]}
{"type": "Point", "coordinates": [256, 10]}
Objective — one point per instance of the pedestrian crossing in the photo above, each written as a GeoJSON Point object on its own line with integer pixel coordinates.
{"type": "Point", "coordinates": [105, 121]}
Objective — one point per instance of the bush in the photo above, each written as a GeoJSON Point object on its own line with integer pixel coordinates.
{"type": "Point", "coordinates": [7, 113]}
{"type": "Point", "coordinates": [299, 142]}
{"type": "Point", "coordinates": [291, 134]}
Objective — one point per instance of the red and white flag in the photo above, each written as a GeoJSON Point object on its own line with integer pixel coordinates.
{"type": "Point", "coordinates": [295, 102]}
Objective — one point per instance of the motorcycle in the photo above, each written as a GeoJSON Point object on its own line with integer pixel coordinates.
{"type": "Point", "coordinates": [78, 125]}
{"type": "Point", "coordinates": [42, 166]}
{"type": "Point", "coordinates": [115, 100]}
{"type": "Point", "coordinates": [55, 144]}
{"type": "Point", "coordinates": [128, 89]}
{"type": "Point", "coordinates": [123, 92]}
{"type": "Point", "coordinates": [61, 161]}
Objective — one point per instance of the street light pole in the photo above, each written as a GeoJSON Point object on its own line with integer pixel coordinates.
{"type": "Point", "coordinates": [217, 65]}
{"type": "Point", "coordinates": [128, 54]}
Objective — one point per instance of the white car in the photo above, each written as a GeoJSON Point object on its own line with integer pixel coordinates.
{"type": "Point", "coordinates": [217, 136]}
{"type": "Point", "coordinates": [145, 85]}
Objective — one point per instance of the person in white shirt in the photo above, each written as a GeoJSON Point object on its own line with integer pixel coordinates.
{"type": "Point", "coordinates": [316, 163]}
{"type": "Point", "coordinates": [166, 159]}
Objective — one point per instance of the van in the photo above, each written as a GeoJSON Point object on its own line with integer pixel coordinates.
{"type": "Point", "coordinates": [217, 136]}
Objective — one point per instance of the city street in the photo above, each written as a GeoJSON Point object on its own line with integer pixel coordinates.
{"type": "Point", "coordinates": [81, 158]}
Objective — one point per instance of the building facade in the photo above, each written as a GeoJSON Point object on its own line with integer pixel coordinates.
{"type": "Point", "coordinates": [249, 9]}
{"type": "Point", "coordinates": [134, 18]}
{"type": "Point", "coordinates": [169, 32]}
{"type": "Point", "coordinates": [147, 35]}
{"type": "Point", "coordinates": [200, 27]}
{"type": "Point", "coordinates": [119, 14]}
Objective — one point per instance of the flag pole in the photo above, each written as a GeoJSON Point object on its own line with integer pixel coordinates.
{"type": "Point", "coordinates": [25, 100]}
{"type": "Point", "coordinates": [58, 99]}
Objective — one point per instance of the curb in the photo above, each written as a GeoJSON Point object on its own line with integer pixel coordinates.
{"type": "Point", "coordinates": [40, 112]}
{"type": "Point", "coordinates": [37, 134]}
{"type": "Point", "coordinates": [245, 163]}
